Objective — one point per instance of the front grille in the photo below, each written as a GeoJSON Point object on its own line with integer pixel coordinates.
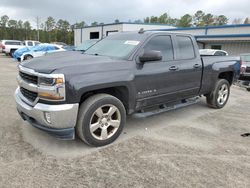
{"type": "Point", "coordinates": [28, 94]}
{"type": "Point", "coordinates": [28, 78]}
{"type": "Point", "coordinates": [248, 69]}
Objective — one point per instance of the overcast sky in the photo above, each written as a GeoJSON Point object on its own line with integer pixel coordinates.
{"type": "Point", "coordinates": [108, 10]}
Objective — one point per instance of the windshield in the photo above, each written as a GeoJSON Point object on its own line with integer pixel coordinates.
{"type": "Point", "coordinates": [245, 58]}
{"type": "Point", "coordinates": [85, 45]}
{"type": "Point", "coordinates": [113, 47]}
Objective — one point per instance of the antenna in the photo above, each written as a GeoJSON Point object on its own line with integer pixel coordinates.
{"type": "Point", "coordinates": [141, 31]}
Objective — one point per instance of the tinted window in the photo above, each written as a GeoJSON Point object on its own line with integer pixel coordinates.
{"type": "Point", "coordinates": [37, 43]}
{"type": "Point", "coordinates": [185, 48]}
{"type": "Point", "coordinates": [12, 43]}
{"type": "Point", "coordinates": [30, 44]}
{"type": "Point", "coordinates": [220, 53]}
{"type": "Point", "coordinates": [163, 44]}
{"type": "Point", "coordinates": [216, 47]}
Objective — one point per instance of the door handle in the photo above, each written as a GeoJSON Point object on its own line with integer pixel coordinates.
{"type": "Point", "coordinates": [173, 68]}
{"type": "Point", "coordinates": [197, 66]}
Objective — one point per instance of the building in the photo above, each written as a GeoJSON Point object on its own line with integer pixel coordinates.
{"type": "Point", "coordinates": [235, 39]}
{"type": "Point", "coordinates": [100, 31]}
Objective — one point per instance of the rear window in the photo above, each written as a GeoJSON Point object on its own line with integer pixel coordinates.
{"type": "Point", "coordinates": [13, 43]}
{"type": "Point", "coordinates": [30, 44]}
{"type": "Point", "coordinates": [185, 48]}
{"type": "Point", "coordinates": [245, 58]}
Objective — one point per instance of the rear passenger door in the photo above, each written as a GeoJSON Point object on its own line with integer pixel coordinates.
{"type": "Point", "coordinates": [189, 66]}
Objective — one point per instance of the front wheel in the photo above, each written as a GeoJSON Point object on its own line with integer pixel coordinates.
{"type": "Point", "coordinates": [101, 119]}
{"type": "Point", "coordinates": [219, 96]}
{"type": "Point", "coordinates": [28, 57]}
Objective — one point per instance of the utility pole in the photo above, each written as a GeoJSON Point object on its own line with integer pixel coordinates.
{"type": "Point", "coordinates": [38, 19]}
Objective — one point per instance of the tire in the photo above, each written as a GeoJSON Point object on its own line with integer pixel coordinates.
{"type": "Point", "coordinates": [12, 53]}
{"type": "Point", "coordinates": [94, 110]}
{"type": "Point", "coordinates": [28, 57]}
{"type": "Point", "coordinates": [217, 98]}
{"type": "Point", "coordinates": [248, 89]}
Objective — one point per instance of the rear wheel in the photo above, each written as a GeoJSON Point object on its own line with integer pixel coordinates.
{"type": "Point", "coordinates": [12, 53]}
{"type": "Point", "coordinates": [219, 96]}
{"type": "Point", "coordinates": [101, 119]}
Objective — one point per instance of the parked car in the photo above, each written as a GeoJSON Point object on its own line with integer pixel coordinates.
{"type": "Point", "coordinates": [126, 73]}
{"type": "Point", "coordinates": [245, 67]}
{"type": "Point", "coordinates": [212, 52]}
{"type": "Point", "coordinates": [62, 44]}
{"type": "Point", "coordinates": [18, 53]}
{"type": "Point", "coordinates": [86, 45]}
{"type": "Point", "coordinates": [41, 50]}
{"type": "Point", "coordinates": [30, 43]}
{"type": "Point", "coordinates": [10, 46]}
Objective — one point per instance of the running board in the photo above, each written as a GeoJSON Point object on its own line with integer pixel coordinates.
{"type": "Point", "coordinates": [165, 108]}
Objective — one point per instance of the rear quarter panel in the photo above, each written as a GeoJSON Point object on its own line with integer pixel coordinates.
{"type": "Point", "coordinates": [214, 66]}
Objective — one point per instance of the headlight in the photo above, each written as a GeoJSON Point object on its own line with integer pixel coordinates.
{"type": "Point", "coordinates": [52, 87]}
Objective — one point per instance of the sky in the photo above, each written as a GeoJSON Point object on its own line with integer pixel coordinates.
{"type": "Point", "coordinates": [107, 11]}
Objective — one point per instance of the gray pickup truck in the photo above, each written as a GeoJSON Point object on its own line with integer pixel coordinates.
{"type": "Point", "coordinates": [91, 93]}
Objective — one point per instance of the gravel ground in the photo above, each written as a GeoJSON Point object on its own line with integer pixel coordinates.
{"type": "Point", "coordinates": [190, 147]}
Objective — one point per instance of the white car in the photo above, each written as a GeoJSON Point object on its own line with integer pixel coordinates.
{"type": "Point", "coordinates": [10, 46]}
{"type": "Point", "coordinates": [30, 43]}
{"type": "Point", "coordinates": [41, 50]}
{"type": "Point", "coordinates": [212, 52]}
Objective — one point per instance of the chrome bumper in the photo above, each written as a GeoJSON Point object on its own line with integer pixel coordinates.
{"type": "Point", "coordinates": [61, 116]}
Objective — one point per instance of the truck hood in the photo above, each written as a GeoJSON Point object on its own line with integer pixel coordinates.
{"type": "Point", "coordinates": [73, 60]}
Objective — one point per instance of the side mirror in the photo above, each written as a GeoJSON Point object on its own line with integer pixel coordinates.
{"type": "Point", "coordinates": [150, 55]}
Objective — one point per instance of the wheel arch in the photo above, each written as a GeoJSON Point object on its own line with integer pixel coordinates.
{"type": "Point", "coordinates": [228, 75]}
{"type": "Point", "coordinates": [120, 92]}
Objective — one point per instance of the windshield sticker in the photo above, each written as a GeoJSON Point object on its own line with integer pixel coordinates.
{"type": "Point", "coordinates": [132, 42]}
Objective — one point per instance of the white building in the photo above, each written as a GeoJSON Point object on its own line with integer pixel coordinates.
{"type": "Point", "coordinates": [235, 39]}
{"type": "Point", "coordinates": [97, 32]}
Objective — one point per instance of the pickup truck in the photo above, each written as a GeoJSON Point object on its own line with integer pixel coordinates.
{"type": "Point", "coordinates": [91, 93]}
{"type": "Point", "coordinates": [10, 46]}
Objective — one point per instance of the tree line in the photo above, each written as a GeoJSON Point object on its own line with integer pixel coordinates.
{"type": "Point", "coordinates": [52, 30]}
{"type": "Point", "coordinates": [199, 19]}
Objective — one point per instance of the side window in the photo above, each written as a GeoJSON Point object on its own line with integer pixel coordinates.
{"type": "Point", "coordinates": [185, 48]}
{"type": "Point", "coordinates": [219, 53]}
{"type": "Point", "coordinates": [163, 44]}
{"type": "Point", "coordinates": [30, 44]}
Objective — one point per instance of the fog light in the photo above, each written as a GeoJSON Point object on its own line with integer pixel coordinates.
{"type": "Point", "coordinates": [47, 116]}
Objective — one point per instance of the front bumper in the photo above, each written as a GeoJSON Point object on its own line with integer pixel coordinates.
{"type": "Point", "coordinates": [62, 117]}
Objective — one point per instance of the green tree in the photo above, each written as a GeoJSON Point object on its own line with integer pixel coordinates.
{"type": "Point", "coordinates": [220, 20]}
{"type": "Point", "coordinates": [153, 19]}
{"type": "Point", "coordinates": [164, 18]}
{"type": "Point", "coordinates": [117, 21]}
{"type": "Point", "coordinates": [94, 24]}
{"type": "Point", "coordinates": [146, 20]}
{"type": "Point", "coordinates": [247, 21]}
{"type": "Point", "coordinates": [49, 26]}
{"type": "Point", "coordinates": [198, 18]}
{"type": "Point", "coordinates": [185, 21]}
{"type": "Point", "coordinates": [12, 24]}
{"type": "Point", "coordinates": [208, 19]}
{"type": "Point", "coordinates": [4, 20]}
{"type": "Point", "coordinates": [27, 28]}
{"type": "Point", "coordinates": [80, 24]}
